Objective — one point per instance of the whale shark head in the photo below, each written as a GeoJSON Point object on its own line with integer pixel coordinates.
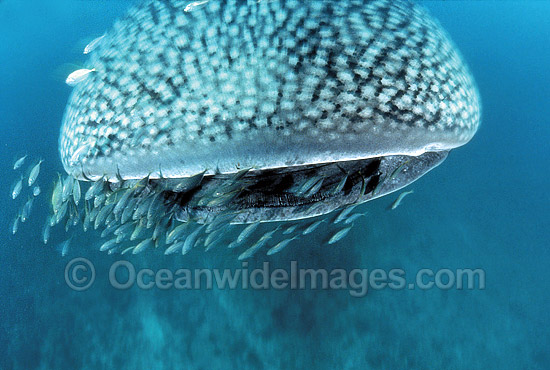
{"type": "Point", "coordinates": [268, 84]}
{"type": "Point", "coordinates": [369, 89]}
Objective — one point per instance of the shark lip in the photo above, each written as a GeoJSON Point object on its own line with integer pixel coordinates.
{"type": "Point", "coordinates": [173, 165]}
{"type": "Point", "coordinates": [324, 82]}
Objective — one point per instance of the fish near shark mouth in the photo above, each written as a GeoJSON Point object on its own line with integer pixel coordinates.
{"type": "Point", "coordinates": [198, 211]}
{"type": "Point", "coordinates": [292, 193]}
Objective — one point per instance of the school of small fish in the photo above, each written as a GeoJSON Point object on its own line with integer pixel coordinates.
{"type": "Point", "coordinates": [28, 178]}
{"type": "Point", "coordinates": [133, 216]}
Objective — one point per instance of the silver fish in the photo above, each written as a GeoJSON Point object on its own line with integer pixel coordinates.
{"type": "Point", "coordinates": [239, 175]}
{"type": "Point", "coordinates": [228, 188]}
{"type": "Point", "coordinates": [34, 173]}
{"type": "Point", "coordinates": [174, 234]}
{"type": "Point", "coordinates": [143, 245]}
{"type": "Point", "coordinates": [190, 241]}
{"type": "Point", "coordinates": [112, 197]}
{"type": "Point", "coordinates": [78, 76]}
{"type": "Point", "coordinates": [61, 213]}
{"type": "Point", "coordinates": [195, 5]}
{"type": "Point", "coordinates": [311, 228]}
{"type": "Point", "coordinates": [108, 245]}
{"type": "Point", "coordinates": [218, 221]}
{"type": "Point", "coordinates": [159, 228]}
{"type": "Point", "coordinates": [137, 231]}
{"type": "Point", "coordinates": [124, 229]}
{"type": "Point", "coordinates": [339, 235]}
{"type": "Point", "coordinates": [67, 188]}
{"type": "Point", "coordinates": [25, 213]}
{"type": "Point", "coordinates": [15, 224]}
{"type": "Point", "coordinates": [77, 193]}
{"type": "Point", "coordinates": [353, 217]}
{"type": "Point", "coordinates": [151, 222]}
{"type": "Point", "coordinates": [315, 188]}
{"type": "Point", "coordinates": [290, 229]}
{"type": "Point", "coordinates": [214, 236]}
{"type": "Point", "coordinates": [113, 250]}
{"type": "Point", "coordinates": [142, 209]}
{"type": "Point", "coordinates": [102, 215]}
{"type": "Point", "coordinates": [129, 249]}
{"type": "Point", "coordinates": [247, 232]}
{"type": "Point", "coordinates": [108, 230]}
{"type": "Point", "coordinates": [16, 188]}
{"type": "Point", "coordinates": [128, 210]}
{"type": "Point", "coordinates": [52, 220]}
{"type": "Point", "coordinates": [93, 44]}
{"type": "Point", "coordinates": [399, 199]}
{"type": "Point", "coordinates": [18, 163]}
{"type": "Point", "coordinates": [173, 248]}
{"type": "Point", "coordinates": [190, 182]}
{"type": "Point", "coordinates": [252, 250]}
{"type": "Point", "coordinates": [56, 195]}
{"type": "Point", "coordinates": [307, 185]}
{"type": "Point", "coordinates": [259, 244]}
{"type": "Point", "coordinates": [99, 200]}
{"type": "Point", "coordinates": [222, 200]}
{"type": "Point", "coordinates": [345, 212]}
{"type": "Point", "coordinates": [340, 185]}
{"type": "Point", "coordinates": [93, 213]}
{"type": "Point", "coordinates": [94, 189]}
{"type": "Point", "coordinates": [86, 222]}
{"type": "Point", "coordinates": [74, 214]}
{"type": "Point", "coordinates": [280, 246]}
{"type": "Point", "coordinates": [233, 244]}
{"type": "Point", "coordinates": [68, 224]}
{"type": "Point", "coordinates": [363, 187]}
{"type": "Point", "coordinates": [127, 193]}
{"type": "Point", "coordinates": [63, 248]}
{"type": "Point", "coordinates": [121, 237]}
{"type": "Point", "coordinates": [154, 207]}
{"type": "Point", "coordinates": [36, 191]}
{"type": "Point", "coordinates": [46, 231]}
{"type": "Point", "coordinates": [398, 170]}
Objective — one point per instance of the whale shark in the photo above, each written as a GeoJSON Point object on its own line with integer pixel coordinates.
{"type": "Point", "coordinates": [243, 112]}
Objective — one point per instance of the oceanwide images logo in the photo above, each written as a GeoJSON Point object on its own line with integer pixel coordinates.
{"type": "Point", "coordinates": [80, 275]}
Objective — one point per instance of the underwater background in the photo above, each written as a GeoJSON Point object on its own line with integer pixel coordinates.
{"type": "Point", "coordinates": [487, 206]}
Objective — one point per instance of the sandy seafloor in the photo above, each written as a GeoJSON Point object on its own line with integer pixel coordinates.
{"type": "Point", "coordinates": [486, 207]}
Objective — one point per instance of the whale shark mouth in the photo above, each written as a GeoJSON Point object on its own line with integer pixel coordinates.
{"type": "Point", "coordinates": [274, 195]}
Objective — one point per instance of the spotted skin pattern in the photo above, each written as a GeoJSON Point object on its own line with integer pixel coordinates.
{"type": "Point", "coordinates": [265, 84]}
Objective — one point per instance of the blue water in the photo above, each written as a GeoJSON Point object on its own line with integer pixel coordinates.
{"type": "Point", "coordinates": [486, 207]}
